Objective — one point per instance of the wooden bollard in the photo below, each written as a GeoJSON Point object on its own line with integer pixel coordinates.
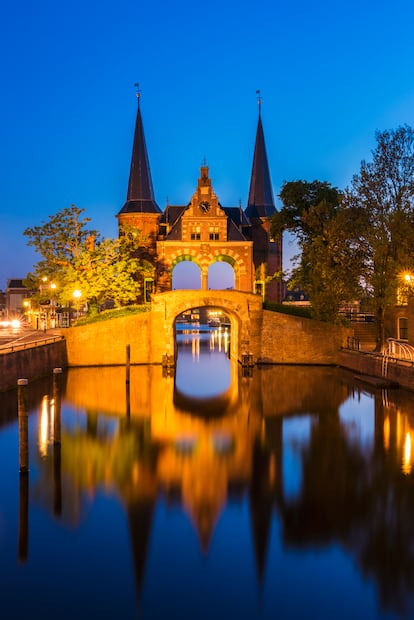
{"type": "Point", "coordinates": [128, 362]}
{"type": "Point", "coordinates": [57, 465]}
{"type": "Point", "coordinates": [57, 373]}
{"type": "Point", "coordinates": [127, 380]}
{"type": "Point", "coordinates": [23, 540]}
{"type": "Point", "coordinates": [23, 413]}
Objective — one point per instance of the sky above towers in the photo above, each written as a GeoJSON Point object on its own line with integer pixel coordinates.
{"type": "Point", "coordinates": [330, 75]}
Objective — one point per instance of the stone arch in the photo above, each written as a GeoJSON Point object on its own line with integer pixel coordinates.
{"type": "Point", "coordinates": [243, 309]}
{"type": "Point", "coordinates": [221, 275]}
{"type": "Point", "coordinates": [205, 255]}
{"type": "Point", "coordinates": [186, 274]}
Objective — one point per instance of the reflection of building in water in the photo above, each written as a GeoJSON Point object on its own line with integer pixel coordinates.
{"type": "Point", "coordinates": [357, 496]}
{"type": "Point", "coordinates": [398, 431]}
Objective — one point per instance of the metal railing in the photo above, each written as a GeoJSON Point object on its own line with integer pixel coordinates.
{"type": "Point", "coordinates": [396, 352]}
{"type": "Point", "coordinates": [400, 350]}
{"type": "Point", "coordinates": [30, 344]}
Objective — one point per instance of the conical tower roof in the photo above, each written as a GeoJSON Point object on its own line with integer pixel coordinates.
{"type": "Point", "coordinates": [140, 195]}
{"type": "Point", "coordinates": [260, 203]}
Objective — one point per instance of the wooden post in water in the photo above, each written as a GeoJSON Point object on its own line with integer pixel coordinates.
{"type": "Point", "coordinates": [57, 374]}
{"type": "Point", "coordinates": [127, 379]}
{"type": "Point", "coordinates": [23, 414]}
{"type": "Point", "coordinates": [23, 540]}
{"type": "Point", "coordinates": [57, 473]}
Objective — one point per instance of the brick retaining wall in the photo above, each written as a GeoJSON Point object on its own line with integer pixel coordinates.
{"type": "Point", "coordinates": [31, 363]}
{"type": "Point", "coordinates": [371, 364]}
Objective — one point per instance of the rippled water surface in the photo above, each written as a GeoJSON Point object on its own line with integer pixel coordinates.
{"type": "Point", "coordinates": [213, 492]}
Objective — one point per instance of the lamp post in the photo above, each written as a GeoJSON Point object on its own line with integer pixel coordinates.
{"type": "Point", "coordinates": [52, 306]}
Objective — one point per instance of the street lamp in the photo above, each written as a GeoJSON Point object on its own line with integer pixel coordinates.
{"type": "Point", "coordinates": [52, 306]}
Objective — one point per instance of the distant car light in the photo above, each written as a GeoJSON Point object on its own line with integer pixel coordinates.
{"type": "Point", "coordinates": [15, 323]}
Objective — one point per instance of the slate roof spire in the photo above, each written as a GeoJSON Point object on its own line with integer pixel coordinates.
{"type": "Point", "coordinates": [140, 194]}
{"type": "Point", "coordinates": [260, 203]}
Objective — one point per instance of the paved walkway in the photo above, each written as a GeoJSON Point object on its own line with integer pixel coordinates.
{"type": "Point", "coordinates": [24, 337]}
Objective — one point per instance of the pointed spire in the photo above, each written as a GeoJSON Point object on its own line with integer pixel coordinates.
{"type": "Point", "coordinates": [140, 195]}
{"type": "Point", "coordinates": [261, 202]}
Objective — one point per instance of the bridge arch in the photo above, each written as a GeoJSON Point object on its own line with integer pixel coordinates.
{"type": "Point", "coordinates": [243, 309]}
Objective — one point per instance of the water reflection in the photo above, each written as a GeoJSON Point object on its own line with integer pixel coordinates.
{"type": "Point", "coordinates": [207, 375]}
{"type": "Point", "coordinates": [321, 469]}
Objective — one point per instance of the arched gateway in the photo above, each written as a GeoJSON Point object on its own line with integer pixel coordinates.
{"type": "Point", "coordinates": [243, 309]}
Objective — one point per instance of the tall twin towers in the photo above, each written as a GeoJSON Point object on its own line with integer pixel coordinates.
{"type": "Point", "coordinates": [202, 230]}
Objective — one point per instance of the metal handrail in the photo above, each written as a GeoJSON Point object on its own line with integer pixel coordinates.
{"type": "Point", "coordinates": [395, 352]}
{"type": "Point", "coordinates": [399, 350]}
{"type": "Point", "coordinates": [11, 348]}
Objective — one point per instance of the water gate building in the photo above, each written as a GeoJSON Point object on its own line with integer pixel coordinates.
{"type": "Point", "coordinates": [204, 231]}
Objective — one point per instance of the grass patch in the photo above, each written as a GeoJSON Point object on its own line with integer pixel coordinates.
{"type": "Point", "coordinates": [285, 309]}
{"type": "Point", "coordinates": [115, 313]}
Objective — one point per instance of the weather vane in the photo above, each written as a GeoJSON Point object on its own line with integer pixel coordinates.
{"type": "Point", "coordinates": [259, 98]}
{"type": "Point", "coordinates": [138, 90]}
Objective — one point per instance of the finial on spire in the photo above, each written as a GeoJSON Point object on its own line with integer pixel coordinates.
{"type": "Point", "coordinates": [137, 91]}
{"type": "Point", "coordinates": [259, 99]}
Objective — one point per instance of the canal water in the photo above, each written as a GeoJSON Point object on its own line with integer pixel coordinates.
{"type": "Point", "coordinates": [209, 492]}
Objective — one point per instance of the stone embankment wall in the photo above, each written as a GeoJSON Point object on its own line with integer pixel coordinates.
{"type": "Point", "coordinates": [273, 338]}
{"type": "Point", "coordinates": [104, 343]}
{"type": "Point", "coordinates": [293, 340]}
{"type": "Point", "coordinates": [31, 363]}
{"type": "Point", "coordinates": [372, 365]}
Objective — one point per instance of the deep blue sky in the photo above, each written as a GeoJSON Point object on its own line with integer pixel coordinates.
{"type": "Point", "coordinates": [330, 74]}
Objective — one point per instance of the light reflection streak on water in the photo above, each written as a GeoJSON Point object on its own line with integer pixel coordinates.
{"type": "Point", "coordinates": [407, 454]}
{"type": "Point", "coordinates": [46, 424]}
{"type": "Point", "coordinates": [220, 338]}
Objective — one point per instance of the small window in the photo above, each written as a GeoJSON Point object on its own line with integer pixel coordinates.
{"type": "Point", "coordinates": [214, 233]}
{"type": "Point", "coordinates": [196, 233]}
{"type": "Point", "coordinates": [402, 328]}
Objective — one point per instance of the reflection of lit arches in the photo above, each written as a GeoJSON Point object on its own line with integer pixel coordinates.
{"type": "Point", "coordinates": [208, 408]}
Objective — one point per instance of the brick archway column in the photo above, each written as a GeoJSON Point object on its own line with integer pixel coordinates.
{"type": "Point", "coordinates": [204, 278]}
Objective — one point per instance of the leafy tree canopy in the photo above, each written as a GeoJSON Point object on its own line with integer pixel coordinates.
{"type": "Point", "coordinates": [384, 191]}
{"type": "Point", "coordinates": [330, 261]}
{"type": "Point", "coordinates": [75, 257]}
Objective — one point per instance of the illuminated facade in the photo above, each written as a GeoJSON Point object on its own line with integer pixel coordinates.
{"type": "Point", "coordinates": [205, 232]}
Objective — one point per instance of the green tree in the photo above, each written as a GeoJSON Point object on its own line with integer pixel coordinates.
{"type": "Point", "coordinates": [328, 267]}
{"type": "Point", "coordinates": [384, 192]}
{"type": "Point", "coordinates": [76, 257]}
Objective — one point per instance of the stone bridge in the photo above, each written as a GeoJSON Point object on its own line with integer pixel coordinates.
{"type": "Point", "coordinates": [243, 309]}
{"type": "Point", "coordinates": [270, 337]}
